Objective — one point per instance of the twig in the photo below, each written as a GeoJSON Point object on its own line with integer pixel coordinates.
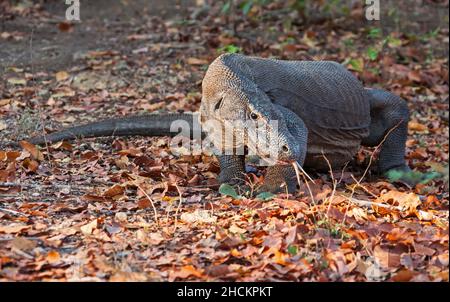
{"type": "Point", "coordinates": [363, 187]}
{"type": "Point", "coordinates": [376, 149]}
{"type": "Point", "coordinates": [297, 174]}
{"type": "Point", "coordinates": [22, 253]}
{"type": "Point", "coordinates": [13, 212]}
{"type": "Point", "coordinates": [151, 202]}
{"type": "Point", "coordinates": [358, 183]}
{"type": "Point", "coordinates": [368, 203]}
{"type": "Point", "coordinates": [330, 199]}
{"type": "Point", "coordinates": [178, 208]}
{"type": "Point", "coordinates": [304, 172]}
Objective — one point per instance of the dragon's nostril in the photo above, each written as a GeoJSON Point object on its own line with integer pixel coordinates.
{"type": "Point", "coordinates": [285, 148]}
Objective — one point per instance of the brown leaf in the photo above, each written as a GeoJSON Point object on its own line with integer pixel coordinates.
{"type": "Point", "coordinates": [65, 26]}
{"type": "Point", "coordinates": [185, 272]}
{"type": "Point", "coordinates": [404, 275]}
{"type": "Point", "coordinates": [144, 203]}
{"type": "Point", "coordinates": [91, 197]}
{"type": "Point", "coordinates": [293, 205]}
{"type": "Point", "coordinates": [280, 258]}
{"type": "Point", "coordinates": [114, 191]}
{"type": "Point", "coordinates": [236, 230]}
{"type": "Point", "coordinates": [12, 155]}
{"type": "Point", "coordinates": [61, 76]}
{"type": "Point", "coordinates": [88, 228]}
{"type": "Point", "coordinates": [30, 164]}
{"type": "Point", "coordinates": [23, 244]}
{"type": "Point", "coordinates": [63, 145]}
{"type": "Point", "coordinates": [4, 102]}
{"type": "Point", "coordinates": [423, 250]}
{"type": "Point", "coordinates": [414, 75]}
{"type": "Point", "coordinates": [13, 228]}
{"type": "Point", "coordinates": [128, 277]}
{"type": "Point", "coordinates": [385, 257]}
{"type": "Point", "coordinates": [32, 149]}
{"type": "Point", "coordinates": [217, 270]}
{"type": "Point", "coordinates": [407, 202]}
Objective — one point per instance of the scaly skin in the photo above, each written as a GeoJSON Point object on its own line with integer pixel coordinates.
{"type": "Point", "coordinates": [321, 109]}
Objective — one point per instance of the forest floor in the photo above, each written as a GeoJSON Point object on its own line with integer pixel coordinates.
{"type": "Point", "coordinates": [127, 209]}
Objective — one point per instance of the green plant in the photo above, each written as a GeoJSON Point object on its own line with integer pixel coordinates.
{"type": "Point", "coordinates": [372, 53]}
{"type": "Point", "coordinates": [413, 177]}
{"type": "Point", "coordinates": [230, 48]}
{"type": "Point", "coordinates": [292, 249]}
{"type": "Point", "coordinates": [227, 190]}
{"type": "Point", "coordinates": [374, 33]}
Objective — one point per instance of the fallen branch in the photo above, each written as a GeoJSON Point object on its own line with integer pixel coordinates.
{"type": "Point", "coordinates": [368, 203]}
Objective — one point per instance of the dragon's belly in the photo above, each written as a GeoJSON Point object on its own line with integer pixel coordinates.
{"type": "Point", "coordinates": [337, 145]}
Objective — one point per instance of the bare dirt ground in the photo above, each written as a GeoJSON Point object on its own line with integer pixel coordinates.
{"type": "Point", "coordinates": [126, 209]}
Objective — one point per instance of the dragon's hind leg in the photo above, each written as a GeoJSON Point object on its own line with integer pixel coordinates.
{"type": "Point", "coordinates": [389, 127]}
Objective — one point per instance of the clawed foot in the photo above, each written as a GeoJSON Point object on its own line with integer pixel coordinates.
{"type": "Point", "coordinates": [278, 187]}
{"type": "Point", "coordinates": [238, 183]}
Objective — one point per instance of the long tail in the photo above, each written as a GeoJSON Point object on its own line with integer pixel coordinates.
{"type": "Point", "coordinates": [145, 125]}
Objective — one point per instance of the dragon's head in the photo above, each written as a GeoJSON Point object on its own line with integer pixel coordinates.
{"type": "Point", "coordinates": [235, 113]}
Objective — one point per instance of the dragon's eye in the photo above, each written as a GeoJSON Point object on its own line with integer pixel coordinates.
{"type": "Point", "coordinates": [253, 116]}
{"type": "Point", "coordinates": [217, 106]}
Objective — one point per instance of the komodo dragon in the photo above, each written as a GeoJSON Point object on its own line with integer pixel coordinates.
{"type": "Point", "coordinates": [321, 108]}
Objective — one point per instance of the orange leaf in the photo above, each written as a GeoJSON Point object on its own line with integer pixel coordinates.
{"type": "Point", "coordinates": [280, 257]}
{"type": "Point", "coordinates": [185, 272]}
{"type": "Point", "coordinates": [53, 257]}
{"type": "Point", "coordinates": [417, 127]}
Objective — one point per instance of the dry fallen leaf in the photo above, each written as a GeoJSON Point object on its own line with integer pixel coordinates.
{"type": "Point", "coordinates": [32, 149]}
{"type": "Point", "coordinates": [121, 216]}
{"type": "Point", "coordinates": [185, 272]}
{"type": "Point", "coordinates": [88, 228]}
{"type": "Point", "coordinates": [386, 257]}
{"type": "Point", "coordinates": [23, 244]}
{"type": "Point", "coordinates": [406, 202]}
{"type": "Point", "coordinates": [417, 127]}
{"type": "Point", "coordinates": [199, 216]}
{"type": "Point", "coordinates": [61, 76]}
{"type": "Point", "coordinates": [114, 191]}
{"type": "Point", "coordinates": [3, 125]}
{"type": "Point", "coordinates": [13, 228]}
{"type": "Point", "coordinates": [53, 257]}
{"type": "Point", "coordinates": [128, 277]}
{"type": "Point", "coordinates": [236, 230]}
